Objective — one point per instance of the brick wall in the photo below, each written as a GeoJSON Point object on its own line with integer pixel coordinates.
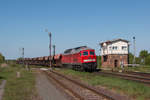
{"type": "Point", "coordinates": [114, 60]}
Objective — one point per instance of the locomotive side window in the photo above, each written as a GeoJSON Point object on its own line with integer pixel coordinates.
{"type": "Point", "coordinates": [91, 53]}
{"type": "Point", "coordinates": [85, 53]}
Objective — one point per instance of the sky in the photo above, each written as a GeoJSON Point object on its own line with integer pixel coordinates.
{"type": "Point", "coordinates": [72, 23]}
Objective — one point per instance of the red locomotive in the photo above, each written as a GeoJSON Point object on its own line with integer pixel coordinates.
{"type": "Point", "coordinates": [80, 58]}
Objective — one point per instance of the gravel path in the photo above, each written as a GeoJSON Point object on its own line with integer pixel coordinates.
{"type": "Point", "coordinates": [2, 86]}
{"type": "Point", "coordinates": [46, 90]}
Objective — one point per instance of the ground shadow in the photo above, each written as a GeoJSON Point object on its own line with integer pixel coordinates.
{"type": "Point", "coordinates": [2, 77]}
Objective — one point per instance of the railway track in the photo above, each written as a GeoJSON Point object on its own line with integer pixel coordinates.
{"type": "Point", "coordinates": [128, 76]}
{"type": "Point", "coordinates": [80, 91]}
{"type": "Point", "coordinates": [147, 75]}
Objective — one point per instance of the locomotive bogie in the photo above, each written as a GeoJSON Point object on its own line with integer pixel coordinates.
{"type": "Point", "coordinates": [90, 67]}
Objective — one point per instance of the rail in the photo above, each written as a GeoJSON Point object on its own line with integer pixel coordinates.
{"type": "Point", "coordinates": [57, 76]}
{"type": "Point", "coordinates": [131, 77]}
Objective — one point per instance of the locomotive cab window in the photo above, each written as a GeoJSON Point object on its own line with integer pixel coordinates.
{"type": "Point", "coordinates": [92, 53]}
{"type": "Point", "coordinates": [85, 53]}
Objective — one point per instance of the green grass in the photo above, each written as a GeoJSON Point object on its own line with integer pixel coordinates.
{"type": "Point", "coordinates": [135, 90]}
{"type": "Point", "coordinates": [22, 88]}
{"type": "Point", "coordinates": [140, 68]}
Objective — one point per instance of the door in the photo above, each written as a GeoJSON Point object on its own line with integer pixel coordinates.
{"type": "Point", "coordinates": [116, 63]}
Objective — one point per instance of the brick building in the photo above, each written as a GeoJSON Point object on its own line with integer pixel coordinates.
{"type": "Point", "coordinates": [115, 53]}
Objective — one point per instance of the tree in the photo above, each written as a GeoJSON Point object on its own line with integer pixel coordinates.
{"type": "Point", "coordinates": [147, 60]}
{"type": "Point", "coordinates": [143, 55]}
{"type": "Point", "coordinates": [2, 58]}
{"type": "Point", "coordinates": [131, 57]}
{"type": "Point", "coordinates": [137, 60]}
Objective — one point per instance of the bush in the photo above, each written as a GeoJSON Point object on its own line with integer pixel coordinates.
{"type": "Point", "coordinates": [143, 54]}
{"type": "Point", "coordinates": [99, 61]}
{"type": "Point", "coordinates": [131, 57]}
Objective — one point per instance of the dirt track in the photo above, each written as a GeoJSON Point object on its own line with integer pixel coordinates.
{"type": "Point", "coordinates": [46, 90]}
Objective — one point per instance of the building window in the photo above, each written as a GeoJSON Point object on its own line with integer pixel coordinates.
{"type": "Point", "coordinates": [124, 48]}
{"type": "Point", "coordinates": [105, 58]}
{"type": "Point", "coordinates": [110, 48]}
{"type": "Point", "coordinates": [114, 47]}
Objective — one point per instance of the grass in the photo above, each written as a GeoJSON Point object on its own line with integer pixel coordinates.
{"type": "Point", "coordinates": [140, 68]}
{"type": "Point", "coordinates": [18, 88]}
{"type": "Point", "coordinates": [134, 90]}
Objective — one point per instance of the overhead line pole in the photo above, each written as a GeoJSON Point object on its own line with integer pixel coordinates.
{"type": "Point", "coordinates": [134, 47]}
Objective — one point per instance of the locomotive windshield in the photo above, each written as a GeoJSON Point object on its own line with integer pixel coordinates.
{"type": "Point", "coordinates": [92, 53]}
{"type": "Point", "coordinates": [85, 53]}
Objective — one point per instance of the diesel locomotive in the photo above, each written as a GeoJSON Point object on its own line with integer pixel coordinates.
{"type": "Point", "coordinates": [80, 58]}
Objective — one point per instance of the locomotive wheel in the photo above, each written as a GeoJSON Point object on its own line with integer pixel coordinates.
{"type": "Point", "coordinates": [74, 67]}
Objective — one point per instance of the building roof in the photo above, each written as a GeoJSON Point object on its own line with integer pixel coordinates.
{"type": "Point", "coordinates": [115, 40]}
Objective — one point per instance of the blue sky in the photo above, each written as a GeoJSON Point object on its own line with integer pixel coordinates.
{"type": "Point", "coordinates": [72, 23]}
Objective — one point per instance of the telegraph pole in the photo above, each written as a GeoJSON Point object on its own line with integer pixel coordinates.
{"type": "Point", "coordinates": [134, 49]}
{"type": "Point", "coordinates": [50, 45]}
{"type": "Point", "coordinates": [54, 50]}
{"type": "Point", "coordinates": [23, 56]}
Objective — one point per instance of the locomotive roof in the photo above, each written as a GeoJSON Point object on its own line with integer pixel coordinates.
{"type": "Point", "coordinates": [76, 50]}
